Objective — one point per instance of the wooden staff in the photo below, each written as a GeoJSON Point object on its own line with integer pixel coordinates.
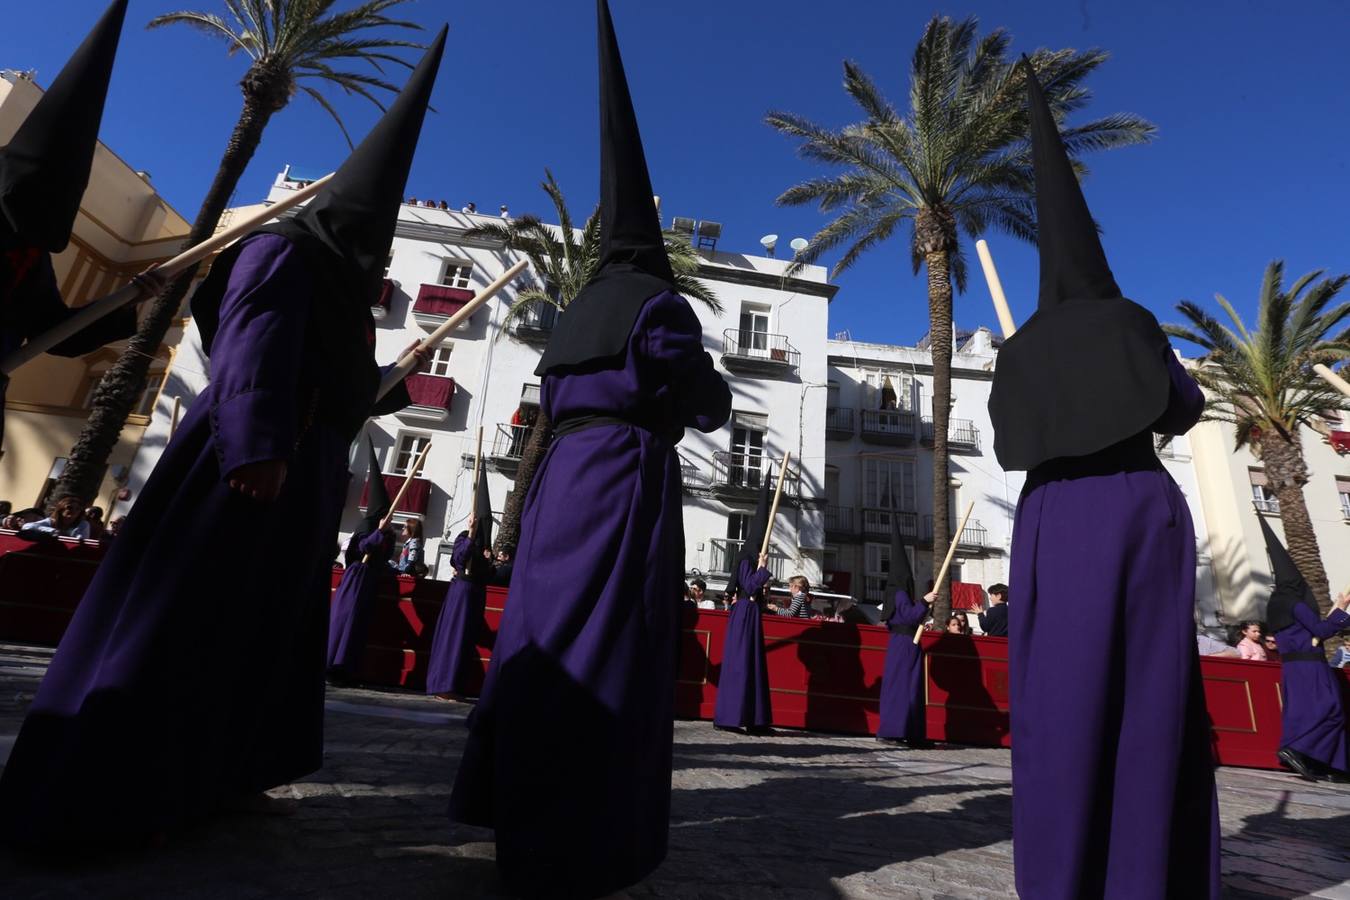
{"type": "Point", "coordinates": [477, 461]}
{"type": "Point", "coordinates": [173, 423]}
{"type": "Point", "coordinates": [946, 563]}
{"type": "Point", "coordinates": [1333, 379]}
{"type": "Point", "coordinates": [406, 364]}
{"type": "Point", "coordinates": [92, 312]}
{"type": "Point", "coordinates": [773, 511]}
{"type": "Point", "coordinates": [1005, 319]}
{"type": "Point", "coordinates": [412, 473]}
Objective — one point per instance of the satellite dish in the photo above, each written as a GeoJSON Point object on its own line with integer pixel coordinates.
{"type": "Point", "coordinates": [769, 242]}
{"type": "Point", "coordinates": [799, 244]}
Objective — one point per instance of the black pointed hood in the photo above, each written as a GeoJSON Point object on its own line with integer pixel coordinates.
{"type": "Point", "coordinates": [44, 169]}
{"type": "Point", "coordinates": [1073, 264]}
{"type": "Point", "coordinates": [478, 567]}
{"type": "Point", "coordinates": [901, 576]}
{"type": "Point", "coordinates": [754, 532]}
{"type": "Point", "coordinates": [1088, 370]}
{"type": "Point", "coordinates": [1290, 588]}
{"type": "Point", "coordinates": [633, 264]}
{"type": "Point", "coordinates": [378, 502]}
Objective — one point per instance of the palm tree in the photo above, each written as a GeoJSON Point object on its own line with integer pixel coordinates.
{"type": "Point", "coordinates": [957, 162]}
{"type": "Point", "coordinates": [565, 259]}
{"type": "Point", "coordinates": [1263, 384]}
{"type": "Point", "coordinates": [289, 43]}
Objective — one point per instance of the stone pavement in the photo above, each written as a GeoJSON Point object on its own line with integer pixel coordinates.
{"type": "Point", "coordinates": [793, 815]}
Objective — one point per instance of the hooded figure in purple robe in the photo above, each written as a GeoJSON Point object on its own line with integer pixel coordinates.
{"type": "Point", "coordinates": [1312, 733]}
{"type": "Point", "coordinates": [743, 680]}
{"type": "Point", "coordinates": [454, 666]}
{"type": "Point", "coordinates": [569, 751]}
{"type": "Point", "coordinates": [44, 170]}
{"type": "Point", "coordinates": [367, 558]}
{"type": "Point", "coordinates": [191, 675]}
{"type": "Point", "coordinates": [1113, 782]}
{"type": "Point", "coordinates": [902, 704]}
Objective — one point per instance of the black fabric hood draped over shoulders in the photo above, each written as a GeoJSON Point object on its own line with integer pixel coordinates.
{"type": "Point", "coordinates": [1089, 368]}
{"type": "Point", "coordinates": [901, 576]}
{"type": "Point", "coordinates": [344, 235]}
{"type": "Point", "coordinates": [44, 169]}
{"type": "Point", "coordinates": [1290, 588]}
{"type": "Point", "coordinates": [754, 533]}
{"type": "Point", "coordinates": [633, 267]}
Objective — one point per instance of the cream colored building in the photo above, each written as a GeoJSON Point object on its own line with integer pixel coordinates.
{"type": "Point", "coordinates": [123, 226]}
{"type": "Point", "coordinates": [1233, 493]}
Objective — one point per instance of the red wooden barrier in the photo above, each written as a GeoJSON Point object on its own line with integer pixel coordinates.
{"type": "Point", "coordinates": [822, 675]}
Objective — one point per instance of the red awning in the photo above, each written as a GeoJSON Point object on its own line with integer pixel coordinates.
{"type": "Point", "coordinates": [414, 499]}
{"type": "Point", "coordinates": [1340, 441]}
{"type": "Point", "coordinates": [435, 391]}
{"type": "Point", "coordinates": [439, 300]}
{"type": "Point", "coordinates": [386, 295]}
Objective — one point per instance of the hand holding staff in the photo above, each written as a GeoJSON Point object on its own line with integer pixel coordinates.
{"type": "Point", "coordinates": [946, 563]}
{"type": "Point", "coordinates": [92, 312]}
{"type": "Point", "coordinates": [1005, 319]}
{"type": "Point", "coordinates": [773, 510]}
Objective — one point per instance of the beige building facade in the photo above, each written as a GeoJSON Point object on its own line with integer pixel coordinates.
{"type": "Point", "coordinates": [123, 227]}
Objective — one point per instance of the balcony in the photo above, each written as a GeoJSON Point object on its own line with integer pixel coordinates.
{"type": "Point", "coordinates": [840, 523]}
{"type": "Point", "coordinates": [508, 446]}
{"type": "Point", "coordinates": [1269, 507]}
{"type": "Point", "coordinates": [414, 500]}
{"type": "Point", "coordinates": [876, 523]}
{"type": "Point", "coordinates": [535, 323]}
{"type": "Point", "coordinates": [725, 551]}
{"type": "Point", "coordinates": [973, 536]}
{"type": "Point", "coordinates": [962, 435]}
{"type": "Point", "coordinates": [692, 479]}
{"type": "Point", "coordinates": [839, 423]}
{"type": "Point", "coordinates": [380, 308]}
{"type": "Point", "coordinates": [758, 353]}
{"type": "Point", "coordinates": [432, 397]}
{"type": "Point", "coordinates": [435, 303]}
{"type": "Point", "coordinates": [738, 476]}
{"type": "Point", "coordinates": [888, 426]}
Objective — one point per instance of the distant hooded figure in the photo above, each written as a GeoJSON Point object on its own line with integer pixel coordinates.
{"type": "Point", "coordinates": [44, 170]}
{"type": "Point", "coordinates": [1312, 733]}
{"type": "Point", "coordinates": [191, 677]}
{"type": "Point", "coordinates": [1113, 783]}
{"type": "Point", "coordinates": [585, 659]}
{"type": "Point", "coordinates": [743, 679]}
{"type": "Point", "coordinates": [902, 706]}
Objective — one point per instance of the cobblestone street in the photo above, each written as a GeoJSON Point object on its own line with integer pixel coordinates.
{"type": "Point", "coordinates": [792, 815]}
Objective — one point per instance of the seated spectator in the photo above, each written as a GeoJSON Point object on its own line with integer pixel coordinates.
{"type": "Point", "coordinates": [698, 592]}
{"type": "Point", "coordinates": [469, 207]}
{"type": "Point", "coordinates": [94, 516]}
{"type": "Point", "coordinates": [1250, 645]}
{"type": "Point", "coordinates": [1208, 646]}
{"type": "Point", "coordinates": [410, 560]}
{"type": "Point", "coordinates": [800, 589]}
{"type": "Point", "coordinates": [506, 557]}
{"type": "Point", "coordinates": [1272, 649]}
{"type": "Point", "coordinates": [16, 521]}
{"type": "Point", "coordinates": [994, 620]}
{"type": "Point", "coordinates": [957, 623]}
{"type": "Point", "coordinates": [66, 521]}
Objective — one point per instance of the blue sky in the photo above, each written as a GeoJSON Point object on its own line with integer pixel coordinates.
{"type": "Point", "coordinates": [1250, 98]}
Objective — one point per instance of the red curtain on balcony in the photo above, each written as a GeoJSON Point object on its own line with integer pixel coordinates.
{"type": "Point", "coordinates": [431, 390]}
{"type": "Point", "coordinates": [414, 501]}
{"type": "Point", "coordinates": [967, 596]}
{"type": "Point", "coordinates": [1340, 441]}
{"type": "Point", "coordinates": [386, 295]}
{"type": "Point", "coordinates": [439, 300]}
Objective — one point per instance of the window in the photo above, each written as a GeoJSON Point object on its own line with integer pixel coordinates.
{"type": "Point", "coordinates": [888, 391]}
{"type": "Point", "coordinates": [831, 485]}
{"type": "Point", "coordinates": [440, 360]}
{"type": "Point", "coordinates": [832, 395]}
{"type": "Point", "coordinates": [53, 475]}
{"type": "Point", "coordinates": [145, 405]}
{"type": "Point", "coordinates": [1262, 497]}
{"type": "Point", "coordinates": [737, 526]}
{"type": "Point", "coordinates": [754, 330]}
{"type": "Point", "coordinates": [1343, 488]}
{"type": "Point", "coordinates": [406, 453]}
{"type": "Point", "coordinates": [889, 484]}
{"type": "Point", "coordinates": [458, 273]}
{"type": "Point", "coordinates": [830, 559]}
{"type": "Point", "coordinates": [747, 448]}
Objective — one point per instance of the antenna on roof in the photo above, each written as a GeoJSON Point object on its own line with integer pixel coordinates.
{"type": "Point", "coordinates": [769, 242]}
{"type": "Point", "coordinates": [798, 245]}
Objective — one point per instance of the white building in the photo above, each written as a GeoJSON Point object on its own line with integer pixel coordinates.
{"type": "Point", "coordinates": [769, 344]}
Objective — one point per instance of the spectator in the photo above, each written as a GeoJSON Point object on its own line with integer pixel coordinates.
{"type": "Point", "coordinates": [505, 214]}
{"type": "Point", "coordinates": [67, 520]}
{"type": "Point", "coordinates": [1250, 645]}
{"type": "Point", "coordinates": [469, 207]}
{"type": "Point", "coordinates": [114, 527]}
{"type": "Point", "coordinates": [519, 428]}
{"type": "Point", "coordinates": [1208, 646]}
{"type": "Point", "coordinates": [698, 592]}
{"type": "Point", "coordinates": [16, 521]}
{"type": "Point", "coordinates": [94, 516]}
{"type": "Point", "coordinates": [800, 588]}
{"type": "Point", "coordinates": [957, 623]}
{"type": "Point", "coordinates": [443, 205]}
{"type": "Point", "coordinates": [410, 559]}
{"type": "Point", "coordinates": [1272, 649]}
{"type": "Point", "coordinates": [994, 620]}
{"type": "Point", "coordinates": [506, 556]}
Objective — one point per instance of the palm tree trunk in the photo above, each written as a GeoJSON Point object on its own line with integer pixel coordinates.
{"type": "Point", "coordinates": [121, 387]}
{"type": "Point", "coordinates": [1286, 473]}
{"type": "Point", "coordinates": [536, 445]}
{"type": "Point", "coordinates": [938, 264]}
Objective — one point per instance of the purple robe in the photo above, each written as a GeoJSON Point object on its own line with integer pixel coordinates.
{"type": "Point", "coordinates": [353, 601]}
{"type": "Point", "coordinates": [1313, 722]}
{"type": "Point", "coordinates": [192, 669]}
{"type": "Point", "coordinates": [902, 705]}
{"type": "Point", "coordinates": [569, 750]}
{"type": "Point", "coordinates": [743, 682]}
{"type": "Point", "coordinates": [1113, 780]}
{"type": "Point", "coordinates": [454, 644]}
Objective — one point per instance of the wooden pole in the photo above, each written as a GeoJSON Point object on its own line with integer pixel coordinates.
{"type": "Point", "coordinates": [773, 511]}
{"type": "Point", "coordinates": [92, 312]}
{"type": "Point", "coordinates": [946, 563]}
{"type": "Point", "coordinates": [1333, 379]}
{"type": "Point", "coordinates": [412, 473]}
{"type": "Point", "coordinates": [405, 365]}
{"type": "Point", "coordinates": [173, 423]}
{"type": "Point", "coordinates": [1005, 319]}
{"type": "Point", "coordinates": [477, 461]}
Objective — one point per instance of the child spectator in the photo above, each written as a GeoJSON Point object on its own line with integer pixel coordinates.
{"type": "Point", "coordinates": [67, 520]}
{"type": "Point", "coordinates": [800, 608]}
{"type": "Point", "coordinates": [957, 623]}
{"type": "Point", "coordinates": [1250, 645]}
